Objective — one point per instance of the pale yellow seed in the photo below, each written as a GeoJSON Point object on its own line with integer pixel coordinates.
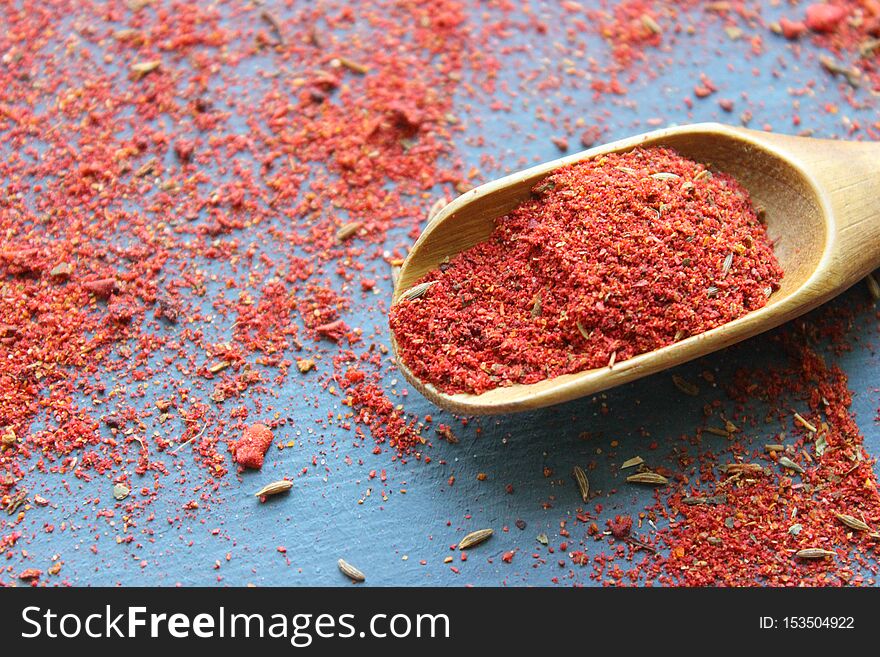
{"type": "Point", "coordinates": [142, 68]}
{"type": "Point", "coordinates": [475, 538]}
{"type": "Point", "coordinates": [582, 482]}
{"type": "Point", "coordinates": [650, 24]}
{"type": "Point", "coordinates": [350, 571]}
{"type": "Point", "coordinates": [754, 468]}
{"type": "Point", "coordinates": [813, 553]}
{"type": "Point", "coordinates": [351, 65]}
{"type": "Point", "coordinates": [852, 522]}
{"type": "Point", "coordinates": [416, 291]}
{"type": "Point", "coordinates": [633, 462]}
{"type": "Point", "coordinates": [125, 35]}
{"type": "Point", "coordinates": [647, 478]}
{"type": "Point", "coordinates": [727, 264]}
{"type": "Point", "coordinates": [347, 230]}
{"type": "Point", "coordinates": [274, 488]}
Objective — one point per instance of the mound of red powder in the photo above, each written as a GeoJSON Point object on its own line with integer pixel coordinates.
{"type": "Point", "coordinates": [252, 446]}
{"type": "Point", "coordinates": [612, 257]}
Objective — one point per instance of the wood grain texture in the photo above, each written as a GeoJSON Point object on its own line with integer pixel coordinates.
{"type": "Point", "coordinates": [822, 211]}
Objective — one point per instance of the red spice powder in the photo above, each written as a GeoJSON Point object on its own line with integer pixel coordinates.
{"type": "Point", "coordinates": [376, 411]}
{"type": "Point", "coordinates": [764, 519]}
{"type": "Point", "coordinates": [613, 257]}
{"type": "Point", "coordinates": [171, 251]}
{"type": "Point", "coordinates": [744, 526]}
{"type": "Point", "coordinates": [253, 445]}
{"type": "Point", "coordinates": [142, 222]}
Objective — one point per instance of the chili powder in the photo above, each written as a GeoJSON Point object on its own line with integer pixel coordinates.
{"type": "Point", "coordinates": [141, 198]}
{"type": "Point", "coordinates": [613, 257]}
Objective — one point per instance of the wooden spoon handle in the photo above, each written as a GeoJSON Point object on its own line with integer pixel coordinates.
{"type": "Point", "coordinates": [856, 203]}
{"type": "Point", "coordinates": [847, 177]}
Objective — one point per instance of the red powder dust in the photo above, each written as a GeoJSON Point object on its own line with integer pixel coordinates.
{"type": "Point", "coordinates": [253, 445]}
{"type": "Point", "coordinates": [613, 257]}
{"type": "Point", "coordinates": [753, 535]}
{"type": "Point", "coordinates": [204, 208]}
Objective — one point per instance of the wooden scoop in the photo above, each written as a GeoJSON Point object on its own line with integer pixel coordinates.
{"type": "Point", "coordinates": [822, 201]}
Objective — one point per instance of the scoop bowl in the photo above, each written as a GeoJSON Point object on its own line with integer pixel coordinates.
{"type": "Point", "coordinates": [822, 202]}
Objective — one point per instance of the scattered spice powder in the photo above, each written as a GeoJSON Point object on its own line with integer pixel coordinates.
{"type": "Point", "coordinates": [753, 520]}
{"type": "Point", "coordinates": [165, 209]}
{"type": "Point", "coordinates": [624, 253]}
